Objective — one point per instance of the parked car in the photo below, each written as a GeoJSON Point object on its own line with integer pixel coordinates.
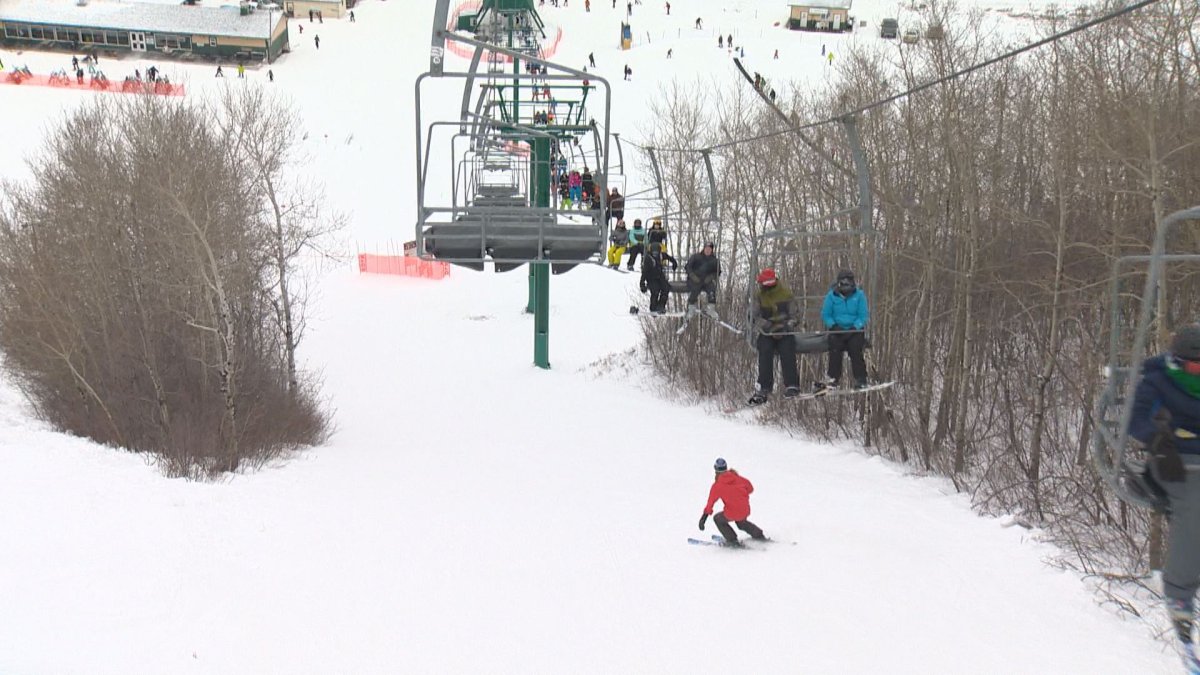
{"type": "Point", "coordinates": [911, 36]}
{"type": "Point", "coordinates": [889, 28]}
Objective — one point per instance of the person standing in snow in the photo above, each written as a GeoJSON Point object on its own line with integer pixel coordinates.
{"type": "Point", "coordinates": [219, 73]}
{"type": "Point", "coordinates": [317, 41]}
{"type": "Point", "coordinates": [845, 315]}
{"type": "Point", "coordinates": [734, 493]}
{"type": "Point", "coordinates": [628, 72]}
{"type": "Point", "coordinates": [702, 269]}
{"type": "Point", "coordinates": [699, 24]}
{"type": "Point", "coordinates": [668, 9]}
{"type": "Point", "coordinates": [775, 324]}
{"type": "Point", "coordinates": [654, 278]}
{"type": "Point", "coordinates": [592, 59]}
{"type": "Point", "coordinates": [1166, 421]}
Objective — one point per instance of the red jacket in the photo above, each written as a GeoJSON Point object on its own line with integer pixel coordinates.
{"type": "Point", "coordinates": [734, 491]}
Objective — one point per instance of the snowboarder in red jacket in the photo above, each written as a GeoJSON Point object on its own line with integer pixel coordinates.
{"type": "Point", "coordinates": [734, 493]}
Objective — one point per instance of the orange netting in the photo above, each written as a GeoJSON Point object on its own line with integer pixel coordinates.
{"type": "Point", "coordinates": [403, 265]}
{"type": "Point", "coordinates": [69, 82]}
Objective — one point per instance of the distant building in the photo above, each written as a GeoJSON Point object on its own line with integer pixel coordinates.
{"type": "Point", "coordinates": [825, 15]}
{"type": "Point", "coordinates": [229, 32]}
{"type": "Point", "coordinates": [330, 9]}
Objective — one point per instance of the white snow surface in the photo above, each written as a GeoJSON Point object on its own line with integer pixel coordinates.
{"type": "Point", "coordinates": [474, 514]}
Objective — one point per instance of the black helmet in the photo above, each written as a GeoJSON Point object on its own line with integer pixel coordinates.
{"type": "Point", "coordinates": [1186, 343]}
{"type": "Point", "coordinates": [845, 274]}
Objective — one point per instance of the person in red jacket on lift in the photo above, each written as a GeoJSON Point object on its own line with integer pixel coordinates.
{"type": "Point", "coordinates": [734, 493]}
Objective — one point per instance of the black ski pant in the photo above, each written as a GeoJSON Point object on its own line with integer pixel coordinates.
{"type": "Point", "coordinates": [746, 526]}
{"type": "Point", "coordinates": [635, 251]}
{"type": "Point", "coordinates": [768, 346]}
{"type": "Point", "coordinates": [660, 290]}
{"type": "Point", "coordinates": [708, 286]}
{"type": "Point", "coordinates": [853, 342]}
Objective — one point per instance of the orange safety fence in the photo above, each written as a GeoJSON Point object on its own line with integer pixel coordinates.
{"type": "Point", "coordinates": [69, 82]}
{"type": "Point", "coordinates": [403, 265]}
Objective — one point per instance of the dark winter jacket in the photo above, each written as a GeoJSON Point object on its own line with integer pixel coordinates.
{"type": "Point", "coordinates": [654, 267]}
{"type": "Point", "coordinates": [702, 268]}
{"type": "Point", "coordinates": [734, 493]}
{"type": "Point", "coordinates": [775, 304]}
{"type": "Point", "coordinates": [842, 312]}
{"type": "Point", "coordinates": [588, 183]}
{"type": "Point", "coordinates": [657, 235]}
{"type": "Point", "coordinates": [616, 205]}
{"type": "Point", "coordinates": [1157, 391]}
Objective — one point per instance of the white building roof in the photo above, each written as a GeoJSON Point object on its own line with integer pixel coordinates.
{"type": "Point", "coordinates": [151, 17]}
{"type": "Point", "coordinates": [828, 4]}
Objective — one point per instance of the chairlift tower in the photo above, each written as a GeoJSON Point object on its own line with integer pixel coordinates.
{"type": "Point", "coordinates": [519, 115]}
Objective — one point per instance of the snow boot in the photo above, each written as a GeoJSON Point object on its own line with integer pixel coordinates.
{"type": "Point", "coordinates": [861, 384]}
{"type": "Point", "coordinates": [822, 387]}
{"type": "Point", "coordinates": [1181, 613]}
{"type": "Point", "coordinates": [712, 312]}
{"type": "Point", "coordinates": [691, 311]}
{"type": "Point", "coordinates": [758, 398]}
{"type": "Point", "coordinates": [791, 392]}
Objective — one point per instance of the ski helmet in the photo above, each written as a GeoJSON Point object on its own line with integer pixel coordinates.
{"type": "Point", "coordinates": [767, 277]}
{"type": "Point", "coordinates": [709, 244]}
{"type": "Point", "coordinates": [1185, 345]}
{"type": "Point", "coordinates": [720, 465]}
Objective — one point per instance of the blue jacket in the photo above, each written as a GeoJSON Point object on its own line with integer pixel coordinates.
{"type": "Point", "coordinates": [1157, 391]}
{"type": "Point", "coordinates": [845, 313]}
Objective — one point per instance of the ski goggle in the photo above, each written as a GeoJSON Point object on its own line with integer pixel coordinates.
{"type": "Point", "coordinates": [1190, 367]}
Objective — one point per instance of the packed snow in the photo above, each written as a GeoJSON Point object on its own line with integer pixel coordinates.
{"type": "Point", "coordinates": [475, 514]}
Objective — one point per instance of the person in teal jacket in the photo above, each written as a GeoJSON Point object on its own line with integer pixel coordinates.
{"type": "Point", "coordinates": [845, 315]}
{"type": "Point", "coordinates": [637, 242]}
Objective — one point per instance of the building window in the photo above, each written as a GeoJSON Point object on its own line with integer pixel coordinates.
{"type": "Point", "coordinates": [123, 38]}
{"type": "Point", "coordinates": [212, 41]}
{"type": "Point", "coordinates": [16, 30]}
{"type": "Point", "coordinates": [111, 37]}
{"type": "Point", "coordinates": [65, 35]}
{"type": "Point", "coordinates": [85, 36]}
{"type": "Point", "coordinates": [36, 32]}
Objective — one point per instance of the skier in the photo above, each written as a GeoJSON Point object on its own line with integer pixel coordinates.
{"type": "Point", "coordinates": [241, 71]}
{"type": "Point", "coordinates": [668, 9]}
{"type": "Point", "coordinates": [588, 183]}
{"type": "Point", "coordinates": [619, 241]}
{"type": "Point", "coordinates": [702, 269]}
{"type": "Point", "coordinates": [587, 5]}
{"type": "Point", "coordinates": [637, 245]}
{"type": "Point", "coordinates": [657, 235]}
{"type": "Point", "coordinates": [219, 73]}
{"type": "Point", "coordinates": [775, 325]}
{"type": "Point", "coordinates": [352, 19]}
{"type": "Point", "coordinates": [734, 493]}
{"type": "Point", "coordinates": [729, 41]}
{"type": "Point", "coordinates": [616, 205]}
{"type": "Point", "coordinates": [776, 54]}
{"type": "Point", "coordinates": [699, 24]}
{"type": "Point", "coordinates": [845, 315]}
{"type": "Point", "coordinates": [152, 73]}
{"type": "Point", "coordinates": [670, 51]}
{"type": "Point", "coordinates": [317, 41]}
{"type": "Point", "coordinates": [1166, 419]}
{"type": "Point", "coordinates": [592, 59]}
{"type": "Point", "coordinates": [576, 185]}
{"type": "Point", "coordinates": [654, 278]}
{"type": "Point", "coordinates": [628, 72]}
{"type": "Point", "coordinates": [270, 75]}
{"type": "Point", "coordinates": [720, 42]}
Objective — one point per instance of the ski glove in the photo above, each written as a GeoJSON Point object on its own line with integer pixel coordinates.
{"type": "Point", "coordinates": [1166, 457]}
{"type": "Point", "coordinates": [703, 520]}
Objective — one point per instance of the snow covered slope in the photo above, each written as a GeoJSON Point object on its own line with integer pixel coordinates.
{"type": "Point", "coordinates": [474, 514]}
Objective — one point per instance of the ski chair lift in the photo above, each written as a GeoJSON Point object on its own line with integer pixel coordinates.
{"type": "Point", "coordinates": [497, 223]}
{"type": "Point", "coordinates": [1128, 477]}
{"type": "Point", "coordinates": [808, 261]}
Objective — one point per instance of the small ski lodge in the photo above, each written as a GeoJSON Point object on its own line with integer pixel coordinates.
{"type": "Point", "coordinates": [821, 15]}
{"type": "Point", "coordinates": [230, 32]}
